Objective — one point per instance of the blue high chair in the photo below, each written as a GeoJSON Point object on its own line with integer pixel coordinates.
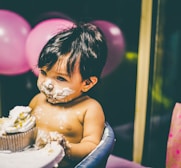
{"type": "Point", "coordinates": [99, 156]}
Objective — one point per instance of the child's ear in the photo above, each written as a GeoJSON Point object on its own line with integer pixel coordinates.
{"type": "Point", "coordinates": [89, 83]}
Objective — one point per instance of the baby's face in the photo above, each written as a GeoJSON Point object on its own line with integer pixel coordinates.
{"type": "Point", "coordinates": [57, 86]}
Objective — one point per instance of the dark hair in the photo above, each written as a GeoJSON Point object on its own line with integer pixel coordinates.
{"type": "Point", "coordinates": [83, 41]}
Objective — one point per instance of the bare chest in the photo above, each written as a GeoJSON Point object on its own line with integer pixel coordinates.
{"type": "Point", "coordinates": [65, 121]}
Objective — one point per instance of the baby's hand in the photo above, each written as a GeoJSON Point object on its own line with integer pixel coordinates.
{"type": "Point", "coordinates": [44, 138]}
{"type": "Point", "coordinates": [55, 136]}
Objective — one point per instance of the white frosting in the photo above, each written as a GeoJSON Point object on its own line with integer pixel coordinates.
{"type": "Point", "coordinates": [43, 138]}
{"type": "Point", "coordinates": [19, 120]}
{"type": "Point", "coordinates": [53, 92]}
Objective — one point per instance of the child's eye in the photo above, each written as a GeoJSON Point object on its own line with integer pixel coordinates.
{"type": "Point", "coordinates": [61, 78]}
{"type": "Point", "coordinates": [43, 72]}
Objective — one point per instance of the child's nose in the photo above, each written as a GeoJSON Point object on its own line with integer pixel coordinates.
{"type": "Point", "coordinates": [48, 85]}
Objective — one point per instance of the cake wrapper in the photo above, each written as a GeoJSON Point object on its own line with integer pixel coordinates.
{"type": "Point", "coordinates": [19, 141]}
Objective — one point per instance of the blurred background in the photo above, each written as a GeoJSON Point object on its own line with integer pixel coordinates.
{"type": "Point", "coordinates": [117, 89]}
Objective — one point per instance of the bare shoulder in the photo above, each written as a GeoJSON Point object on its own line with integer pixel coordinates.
{"type": "Point", "coordinates": [92, 103]}
{"type": "Point", "coordinates": [35, 100]}
{"type": "Point", "coordinates": [94, 108]}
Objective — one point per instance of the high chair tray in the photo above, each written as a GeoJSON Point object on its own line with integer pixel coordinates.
{"type": "Point", "coordinates": [47, 157]}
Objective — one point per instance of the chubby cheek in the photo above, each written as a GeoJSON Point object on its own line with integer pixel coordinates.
{"type": "Point", "coordinates": [59, 95]}
{"type": "Point", "coordinates": [39, 83]}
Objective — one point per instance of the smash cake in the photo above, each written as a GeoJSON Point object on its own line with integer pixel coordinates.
{"type": "Point", "coordinates": [18, 130]}
{"type": "Point", "coordinates": [21, 142]}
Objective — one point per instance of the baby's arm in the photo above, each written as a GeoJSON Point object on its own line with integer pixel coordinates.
{"type": "Point", "coordinates": [94, 121]}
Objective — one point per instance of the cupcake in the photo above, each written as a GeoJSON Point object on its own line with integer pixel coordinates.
{"type": "Point", "coordinates": [18, 130]}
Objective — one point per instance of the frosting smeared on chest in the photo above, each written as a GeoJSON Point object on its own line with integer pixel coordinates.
{"type": "Point", "coordinates": [60, 120]}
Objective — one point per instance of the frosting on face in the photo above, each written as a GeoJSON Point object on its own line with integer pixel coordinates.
{"type": "Point", "coordinates": [54, 93]}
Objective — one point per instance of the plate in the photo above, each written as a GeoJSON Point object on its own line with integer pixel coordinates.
{"type": "Point", "coordinates": [47, 157]}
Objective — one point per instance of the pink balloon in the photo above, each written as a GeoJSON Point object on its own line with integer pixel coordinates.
{"type": "Point", "coordinates": [40, 35]}
{"type": "Point", "coordinates": [51, 15]}
{"type": "Point", "coordinates": [14, 31]}
{"type": "Point", "coordinates": [115, 43]}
